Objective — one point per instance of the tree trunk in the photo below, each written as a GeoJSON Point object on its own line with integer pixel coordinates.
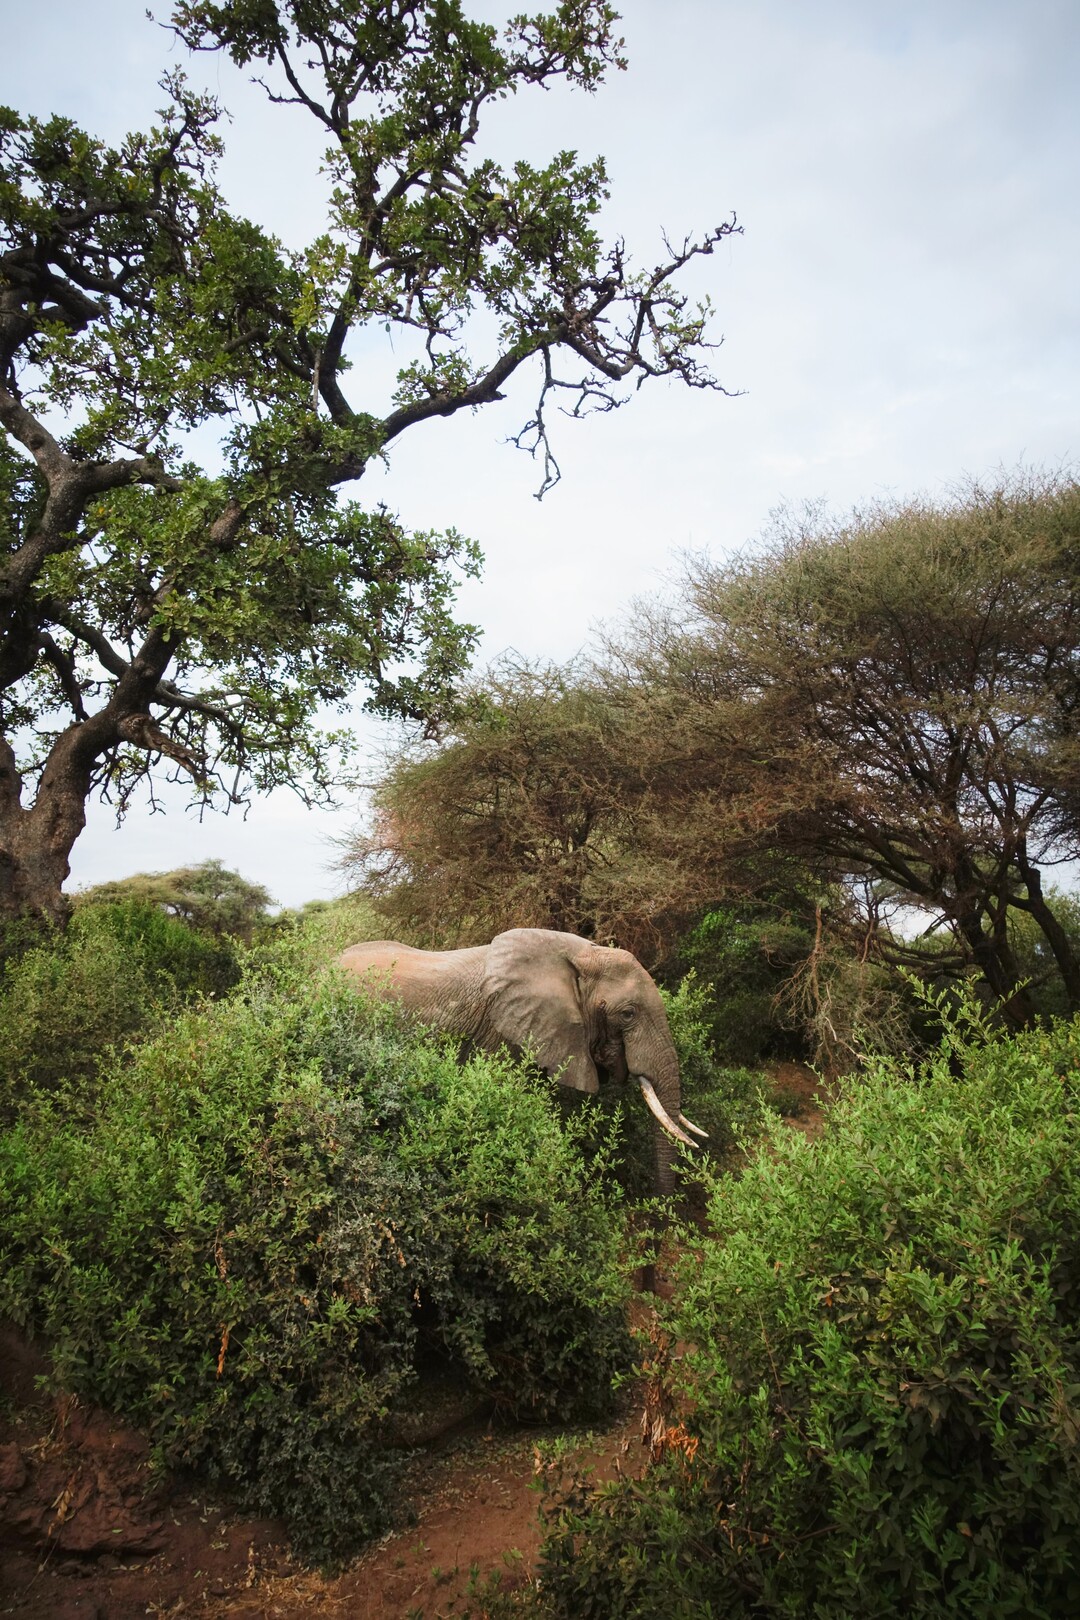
{"type": "Point", "coordinates": [995, 961]}
{"type": "Point", "coordinates": [36, 842]}
{"type": "Point", "coordinates": [34, 865]}
{"type": "Point", "coordinates": [1054, 934]}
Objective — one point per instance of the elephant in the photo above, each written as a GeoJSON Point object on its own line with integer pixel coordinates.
{"type": "Point", "coordinates": [576, 1007]}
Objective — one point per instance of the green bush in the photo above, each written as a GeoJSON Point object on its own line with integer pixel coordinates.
{"type": "Point", "coordinates": [111, 976]}
{"type": "Point", "coordinates": [878, 1408]}
{"type": "Point", "coordinates": [742, 964]}
{"type": "Point", "coordinates": [726, 1101]}
{"type": "Point", "coordinates": [276, 1211]}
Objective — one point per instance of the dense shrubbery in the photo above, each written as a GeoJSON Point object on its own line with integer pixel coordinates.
{"type": "Point", "coordinates": [273, 1210]}
{"type": "Point", "coordinates": [742, 963]}
{"type": "Point", "coordinates": [115, 972]}
{"type": "Point", "coordinates": [878, 1411]}
{"type": "Point", "coordinates": [124, 966]}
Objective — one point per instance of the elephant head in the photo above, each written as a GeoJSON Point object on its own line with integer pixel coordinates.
{"type": "Point", "coordinates": [582, 1007]}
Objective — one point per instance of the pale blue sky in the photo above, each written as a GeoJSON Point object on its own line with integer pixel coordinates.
{"type": "Point", "coordinates": [901, 311]}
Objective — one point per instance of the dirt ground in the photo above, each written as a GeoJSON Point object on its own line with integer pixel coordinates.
{"type": "Point", "coordinates": [87, 1532]}
{"type": "Point", "coordinates": [805, 1093]}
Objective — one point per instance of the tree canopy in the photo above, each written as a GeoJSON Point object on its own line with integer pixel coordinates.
{"type": "Point", "coordinates": [520, 818]}
{"type": "Point", "coordinates": [208, 897]}
{"type": "Point", "coordinates": [208, 617]}
{"type": "Point", "coordinates": [880, 717]}
{"type": "Point", "coordinates": [900, 697]}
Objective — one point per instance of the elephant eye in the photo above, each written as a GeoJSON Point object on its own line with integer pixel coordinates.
{"type": "Point", "coordinates": [627, 1013]}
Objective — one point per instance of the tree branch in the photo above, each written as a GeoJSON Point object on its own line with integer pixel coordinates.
{"type": "Point", "coordinates": [65, 669]}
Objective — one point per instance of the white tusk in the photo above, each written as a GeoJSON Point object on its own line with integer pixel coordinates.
{"type": "Point", "coordinates": [697, 1130]}
{"type": "Point", "coordinates": [656, 1107]}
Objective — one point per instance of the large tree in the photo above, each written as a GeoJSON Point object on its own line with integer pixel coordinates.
{"type": "Point", "coordinates": [520, 816]}
{"type": "Point", "coordinates": [894, 701]}
{"type": "Point", "coordinates": [154, 610]}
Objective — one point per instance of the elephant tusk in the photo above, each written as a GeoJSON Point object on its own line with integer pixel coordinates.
{"type": "Point", "coordinates": [697, 1130]}
{"type": "Point", "coordinates": [656, 1107]}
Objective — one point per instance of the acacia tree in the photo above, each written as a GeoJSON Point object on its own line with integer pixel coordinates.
{"type": "Point", "coordinates": [561, 797]}
{"type": "Point", "coordinates": [208, 897]}
{"type": "Point", "coordinates": [895, 701]}
{"type": "Point", "coordinates": [153, 611]}
{"type": "Point", "coordinates": [521, 815]}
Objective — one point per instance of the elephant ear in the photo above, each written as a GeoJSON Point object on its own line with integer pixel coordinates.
{"type": "Point", "coordinates": [533, 995]}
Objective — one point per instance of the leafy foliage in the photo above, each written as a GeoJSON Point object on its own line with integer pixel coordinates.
{"type": "Point", "coordinates": [876, 1411]}
{"type": "Point", "coordinates": [207, 897]}
{"type": "Point", "coordinates": [275, 1212]}
{"type": "Point", "coordinates": [118, 972]}
{"type": "Point", "coordinates": [743, 962]}
{"type": "Point", "coordinates": [214, 619]}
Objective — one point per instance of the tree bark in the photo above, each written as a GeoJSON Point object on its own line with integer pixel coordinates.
{"type": "Point", "coordinates": [36, 843]}
{"type": "Point", "coordinates": [1052, 931]}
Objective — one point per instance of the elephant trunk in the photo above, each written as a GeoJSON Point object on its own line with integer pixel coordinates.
{"type": "Point", "coordinates": [658, 1077]}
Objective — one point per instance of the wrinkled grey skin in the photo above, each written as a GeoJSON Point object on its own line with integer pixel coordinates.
{"type": "Point", "coordinates": [578, 1007]}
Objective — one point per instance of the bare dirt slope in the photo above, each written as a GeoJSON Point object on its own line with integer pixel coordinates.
{"type": "Point", "coordinates": [87, 1532]}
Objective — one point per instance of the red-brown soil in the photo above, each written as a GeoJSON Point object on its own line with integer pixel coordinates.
{"type": "Point", "coordinates": [87, 1532]}
{"type": "Point", "coordinates": [804, 1093]}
